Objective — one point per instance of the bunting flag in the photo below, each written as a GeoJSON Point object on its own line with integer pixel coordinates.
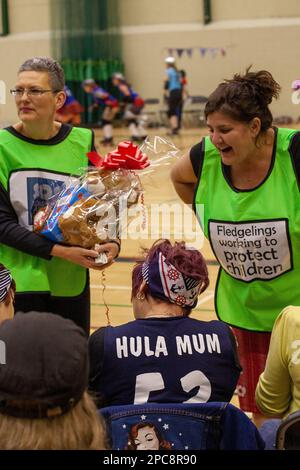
{"type": "Point", "coordinates": [214, 51]}
{"type": "Point", "coordinates": [180, 52]}
{"type": "Point", "coordinates": [188, 51]}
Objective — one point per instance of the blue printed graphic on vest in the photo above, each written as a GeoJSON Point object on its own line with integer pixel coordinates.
{"type": "Point", "coordinates": [252, 250]}
{"type": "Point", "coordinates": [39, 192]}
{"type": "Point", "coordinates": [63, 208]}
{"type": "Point", "coordinates": [30, 190]}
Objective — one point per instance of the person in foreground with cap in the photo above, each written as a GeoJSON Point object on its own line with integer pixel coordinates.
{"type": "Point", "coordinates": [132, 106]}
{"type": "Point", "coordinates": [164, 355]}
{"type": "Point", "coordinates": [110, 107]}
{"type": "Point", "coordinates": [37, 156]}
{"type": "Point", "coordinates": [7, 294]}
{"type": "Point", "coordinates": [173, 88]}
{"type": "Point", "coordinates": [43, 399]}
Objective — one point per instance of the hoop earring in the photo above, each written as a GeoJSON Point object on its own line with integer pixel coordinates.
{"type": "Point", "coordinates": [140, 296]}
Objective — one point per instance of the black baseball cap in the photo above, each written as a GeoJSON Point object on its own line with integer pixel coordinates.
{"type": "Point", "coordinates": [45, 369]}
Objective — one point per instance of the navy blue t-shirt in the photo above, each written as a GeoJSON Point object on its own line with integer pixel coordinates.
{"type": "Point", "coordinates": [163, 360]}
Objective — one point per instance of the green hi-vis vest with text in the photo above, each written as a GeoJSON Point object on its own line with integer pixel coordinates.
{"type": "Point", "coordinates": [255, 236]}
{"type": "Point", "coordinates": [31, 174]}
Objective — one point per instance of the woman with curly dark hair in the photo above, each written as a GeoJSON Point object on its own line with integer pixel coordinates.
{"type": "Point", "coordinates": [246, 174]}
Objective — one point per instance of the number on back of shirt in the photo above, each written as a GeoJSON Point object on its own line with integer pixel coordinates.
{"type": "Point", "coordinates": [153, 381]}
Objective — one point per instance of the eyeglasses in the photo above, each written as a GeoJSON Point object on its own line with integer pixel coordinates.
{"type": "Point", "coordinates": [31, 92]}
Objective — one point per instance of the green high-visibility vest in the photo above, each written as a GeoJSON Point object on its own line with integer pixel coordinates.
{"type": "Point", "coordinates": [255, 236]}
{"type": "Point", "coordinates": [31, 173]}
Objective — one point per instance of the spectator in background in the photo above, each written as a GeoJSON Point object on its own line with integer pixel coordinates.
{"type": "Point", "coordinates": [184, 83]}
{"type": "Point", "coordinates": [43, 399]}
{"type": "Point", "coordinates": [165, 356]}
{"type": "Point", "coordinates": [184, 95]}
{"type": "Point", "coordinates": [7, 294]}
{"type": "Point", "coordinates": [173, 89]}
{"type": "Point", "coordinates": [246, 175]}
{"type": "Point", "coordinates": [132, 106]}
{"type": "Point", "coordinates": [110, 106]}
{"type": "Point", "coordinates": [70, 112]}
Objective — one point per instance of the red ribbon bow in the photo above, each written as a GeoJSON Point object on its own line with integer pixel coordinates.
{"type": "Point", "coordinates": [127, 155]}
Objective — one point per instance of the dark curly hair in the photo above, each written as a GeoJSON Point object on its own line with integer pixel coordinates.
{"type": "Point", "coordinates": [245, 97]}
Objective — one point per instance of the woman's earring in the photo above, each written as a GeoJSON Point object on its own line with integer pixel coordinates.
{"type": "Point", "coordinates": [140, 296]}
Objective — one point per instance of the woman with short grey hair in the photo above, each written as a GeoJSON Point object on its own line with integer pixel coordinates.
{"type": "Point", "coordinates": [37, 155]}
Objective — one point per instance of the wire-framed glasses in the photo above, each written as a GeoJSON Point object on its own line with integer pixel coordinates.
{"type": "Point", "coordinates": [31, 92]}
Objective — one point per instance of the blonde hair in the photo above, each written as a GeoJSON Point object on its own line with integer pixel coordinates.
{"type": "Point", "coordinates": [80, 429]}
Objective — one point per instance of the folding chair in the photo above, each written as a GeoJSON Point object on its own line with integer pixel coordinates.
{"type": "Point", "coordinates": [180, 426]}
{"type": "Point", "coordinates": [151, 114]}
{"type": "Point", "coordinates": [193, 111]}
{"type": "Point", "coordinates": [288, 433]}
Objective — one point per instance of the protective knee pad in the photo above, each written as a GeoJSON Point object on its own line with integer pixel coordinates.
{"type": "Point", "coordinates": [171, 113]}
{"type": "Point", "coordinates": [105, 122]}
{"type": "Point", "coordinates": [131, 121]}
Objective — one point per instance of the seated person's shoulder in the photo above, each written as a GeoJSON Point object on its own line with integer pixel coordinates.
{"type": "Point", "coordinates": [103, 330]}
{"type": "Point", "coordinates": [219, 325]}
{"type": "Point", "coordinates": [290, 315]}
{"type": "Point", "coordinates": [97, 336]}
{"type": "Point", "coordinates": [213, 326]}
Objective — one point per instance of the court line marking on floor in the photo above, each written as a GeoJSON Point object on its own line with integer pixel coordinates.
{"type": "Point", "coordinates": [130, 306]}
{"type": "Point", "coordinates": [208, 294]}
{"type": "Point", "coordinates": [135, 259]}
{"type": "Point", "coordinates": [114, 287]}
